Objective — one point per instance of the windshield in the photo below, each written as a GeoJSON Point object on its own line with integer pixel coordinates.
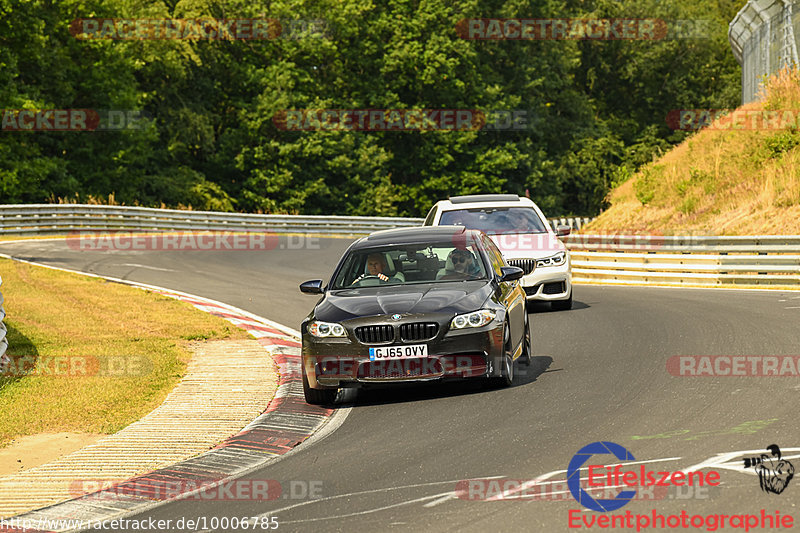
{"type": "Point", "coordinates": [403, 264]}
{"type": "Point", "coordinates": [494, 220]}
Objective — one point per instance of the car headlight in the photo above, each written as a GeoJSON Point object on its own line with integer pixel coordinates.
{"type": "Point", "coordinates": [475, 319]}
{"type": "Point", "coordinates": [554, 260]}
{"type": "Point", "coordinates": [326, 329]}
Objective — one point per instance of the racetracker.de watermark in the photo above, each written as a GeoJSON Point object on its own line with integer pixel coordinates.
{"type": "Point", "coordinates": [506, 489]}
{"type": "Point", "coordinates": [201, 490]}
{"type": "Point", "coordinates": [189, 241]}
{"type": "Point", "coordinates": [350, 367]}
{"type": "Point", "coordinates": [758, 366]}
{"type": "Point", "coordinates": [76, 366]}
{"type": "Point", "coordinates": [512, 240]}
{"type": "Point", "coordinates": [401, 120]}
{"type": "Point", "coordinates": [617, 241]}
{"type": "Point", "coordinates": [733, 119]}
{"type": "Point", "coordinates": [626, 29]}
{"type": "Point", "coordinates": [198, 29]}
{"type": "Point", "coordinates": [72, 119]}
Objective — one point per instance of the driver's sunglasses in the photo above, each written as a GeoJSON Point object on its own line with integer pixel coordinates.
{"type": "Point", "coordinates": [459, 259]}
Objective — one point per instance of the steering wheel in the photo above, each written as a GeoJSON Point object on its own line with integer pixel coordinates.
{"type": "Point", "coordinates": [357, 283]}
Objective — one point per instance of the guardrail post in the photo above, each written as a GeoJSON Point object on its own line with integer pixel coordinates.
{"type": "Point", "coordinates": [574, 223]}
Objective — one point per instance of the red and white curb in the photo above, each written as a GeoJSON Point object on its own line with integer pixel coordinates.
{"type": "Point", "coordinates": [286, 422]}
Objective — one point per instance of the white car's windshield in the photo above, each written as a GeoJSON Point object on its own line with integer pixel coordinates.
{"type": "Point", "coordinates": [494, 220]}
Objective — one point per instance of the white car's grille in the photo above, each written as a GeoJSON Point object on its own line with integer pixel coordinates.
{"type": "Point", "coordinates": [527, 265]}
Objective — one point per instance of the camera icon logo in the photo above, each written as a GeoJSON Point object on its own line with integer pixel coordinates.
{"type": "Point", "coordinates": [774, 473]}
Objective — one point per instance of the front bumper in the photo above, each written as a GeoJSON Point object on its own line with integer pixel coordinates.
{"type": "Point", "coordinates": [345, 362]}
{"type": "Point", "coordinates": [548, 283]}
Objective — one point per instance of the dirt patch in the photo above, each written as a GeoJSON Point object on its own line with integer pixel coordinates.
{"type": "Point", "coordinates": [34, 450]}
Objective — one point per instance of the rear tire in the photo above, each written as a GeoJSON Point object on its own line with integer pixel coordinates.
{"type": "Point", "coordinates": [562, 305]}
{"type": "Point", "coordinates": [318, 396]}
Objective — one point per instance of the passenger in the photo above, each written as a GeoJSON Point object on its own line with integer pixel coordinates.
{"type": "Point", "coordinates": [464, 266]}
{"type": "Point", "coordinates": [464, 263]}
{"type": "Point", "coordinates": [517, 221]}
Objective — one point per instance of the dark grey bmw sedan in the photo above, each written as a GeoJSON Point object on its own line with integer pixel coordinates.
{"type": "Point", "coordinates": [416, 304]}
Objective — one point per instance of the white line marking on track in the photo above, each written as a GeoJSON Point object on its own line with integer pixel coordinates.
{"type": "Point", "coordinates": [538, 481]}
{"type": "Point", "coordinates": [386, 489]}
{"type": "Point", "coordinates": [369, 511]}
{"type": "Point", "coordinates": [733, 460]}
{"type": "Point", "coordinates": [137, 265]}
{"type": "Point", "coordinates": [450, 496]}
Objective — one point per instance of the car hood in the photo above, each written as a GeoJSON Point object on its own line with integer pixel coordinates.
{"type": "Point", "coordinates": [528, 245]}
{"type": "Point", "coordinates": [447, 297]}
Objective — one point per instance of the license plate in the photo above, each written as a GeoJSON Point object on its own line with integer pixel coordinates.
{"type": "Point", "coordinates": [409, 351]}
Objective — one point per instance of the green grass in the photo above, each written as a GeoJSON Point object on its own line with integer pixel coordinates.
{"type": "Point", "coordinates": [720, 181]}
{"type": "Point", "coordinates": [59, 314]}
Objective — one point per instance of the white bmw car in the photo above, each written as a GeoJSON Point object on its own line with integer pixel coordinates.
{"type": "Point", "coordinates": [525, 238]}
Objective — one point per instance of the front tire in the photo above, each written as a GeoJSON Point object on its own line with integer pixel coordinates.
{"type": "Point", "coordinates": [317, 396]}
{"type": "Point", "coordinates": [527, 349]}
{"type": "Point", "coordinates": [507, 372]}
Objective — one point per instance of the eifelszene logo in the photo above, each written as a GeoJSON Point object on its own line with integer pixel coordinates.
{"type": "Point", "coordinates": [574, 476]}
{"type": "Point", "coordinates": [619, 475]}
{"type": "Point", "coordinates": [774, 473]}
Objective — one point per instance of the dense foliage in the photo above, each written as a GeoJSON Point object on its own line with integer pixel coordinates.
{"type": "Point", "coordinates": [595, 109]}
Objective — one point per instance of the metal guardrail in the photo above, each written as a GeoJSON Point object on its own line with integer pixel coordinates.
{"type": "Point", "coordinates": [635, 259]}
{"type": "Point", "coordinates": [686, 260]}
{"type": "Point", "coordinates": [64, 218]}
{"type": "Point", "coordinates": [3, 341]}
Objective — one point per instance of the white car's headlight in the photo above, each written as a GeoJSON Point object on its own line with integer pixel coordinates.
{"type": "Point", "coordinates": [554, 260]}
{"type": "Point", "coordinates": [326, 329]}
{"type": "Point", "coordinates": [475, 319]}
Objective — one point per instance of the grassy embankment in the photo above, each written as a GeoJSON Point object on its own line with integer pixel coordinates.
{"type": "Point", "coordinates": [720, 181]}
{"type": "Point", "coordinates": [137, 339]}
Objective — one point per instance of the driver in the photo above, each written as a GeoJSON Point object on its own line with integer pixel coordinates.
{"type": "Point", "coordinates": [376, 265]}
{"type": "Point", "coordinates": [517, 220]}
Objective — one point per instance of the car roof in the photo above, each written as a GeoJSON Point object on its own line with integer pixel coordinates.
{"type": "Point", "coordinates": [484, 200]}
{"type": "Point", "coordinates": [416, 234]}
{"type": "Point", "coordinates": [472, 198]}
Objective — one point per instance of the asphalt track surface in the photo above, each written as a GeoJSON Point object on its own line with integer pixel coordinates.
{"type": "Point", "coordinates": [599, 374]}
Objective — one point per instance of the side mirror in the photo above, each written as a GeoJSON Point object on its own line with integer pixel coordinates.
{"type": "Point", "coordinates": [563, 231]}
{"type": "Point", "coordinates": [312, 287]}
{"type": "Point", "coordinates": [511, 273]}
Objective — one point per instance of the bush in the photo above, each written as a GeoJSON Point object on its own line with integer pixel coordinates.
{"type": "Point", "coordinates": [688, 206]}
{"type": "Point", "coordinates": [777, 145]}
{"type": "Point", "coordinates": [645, 185]}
